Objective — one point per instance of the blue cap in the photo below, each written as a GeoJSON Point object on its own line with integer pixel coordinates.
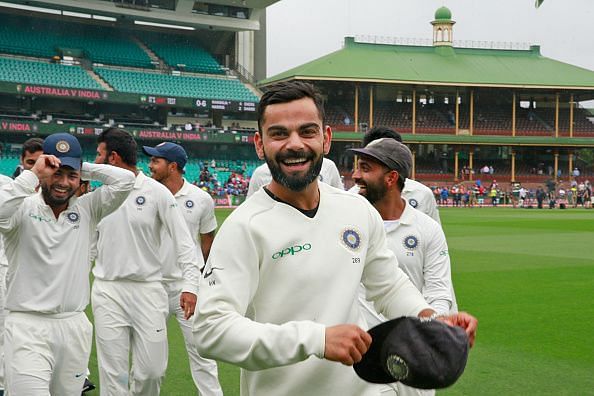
{"type": "Point", "coordinates": [66, 147]}
{"type": "Point", "coordinates": [170, 151]}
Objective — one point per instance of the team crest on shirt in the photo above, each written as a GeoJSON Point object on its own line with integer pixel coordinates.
{"type": "Point", "coordinates": [411, 242]}
{"type": "Point", "coordinates": [72, 217]}
{"type": "Point", "coordinates": [413, 202]}
{"type": "Point", "coordinates": [351, 239]}
{"type": "Point", "coordinates": [189, 204]}
{"type": "Point", "coordinates": [140, 200]}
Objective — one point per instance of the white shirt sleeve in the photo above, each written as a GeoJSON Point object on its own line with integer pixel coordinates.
{"type": "Point", "coordinates": [432, 210]}
{"type": "Point", "coordinates": [208, 220]}
{"type": "Point", "coordinates": [187, 258]}
{"type": "Point", "coordinates": [334, 180]}
{"type": "Point", "coordinates": [117, 184]}
{"type": "Point", "coordinates": [222, 328]}
{"type": "Point", "coordinates": [12, 196]}
{"type": "Point", "coordinates": [437, 274]}
{"type": "Point", "coordinates": [256, 181]}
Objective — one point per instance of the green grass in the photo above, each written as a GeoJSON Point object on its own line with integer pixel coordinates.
{"type": "Point", "coordinates": [528, 275]}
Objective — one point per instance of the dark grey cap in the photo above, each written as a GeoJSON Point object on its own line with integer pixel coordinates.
{"type": "Point", "coordinates": [424, 354]}
{"type": "Point", "coordinates": [395, 155]}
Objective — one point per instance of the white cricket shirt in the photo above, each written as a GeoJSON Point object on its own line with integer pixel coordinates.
{"type": "Point", "coordinates": [418, 195]}
{"type": "Point", "coordinates": [3, 261]}
{"type": "Point", "coordinates": [328, 174]}
{"type": "Point", "coordinates": [422, 251]}
{"type": "Point", "coordinates": [129, 240]}
{"type": "Point", "coordinates": [275, 279]}
{"type": "Point", "coordinates": [48, 258]}
{"type": "Point", "coordinates": [197, 208]}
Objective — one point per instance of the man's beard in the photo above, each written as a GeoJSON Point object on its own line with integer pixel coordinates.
{"type": "Point", "coordinates": [294, 183]}
{"type": "Point", "coordinates": [52, 201]}
{"type": "Point", "coordinates": [374, 192]}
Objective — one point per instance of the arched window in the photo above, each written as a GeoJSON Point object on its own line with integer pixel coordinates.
{"type": "Point", "coordinates": [446, 35]}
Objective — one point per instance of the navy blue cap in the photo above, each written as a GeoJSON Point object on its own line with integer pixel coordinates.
{"type": "Point", "coordinates": [66, 147]}
{"type": "Point", "coordinates": [170, 151]}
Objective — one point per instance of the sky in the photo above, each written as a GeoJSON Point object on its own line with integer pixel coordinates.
{"type": "Point", "coordinates": [299, 31]}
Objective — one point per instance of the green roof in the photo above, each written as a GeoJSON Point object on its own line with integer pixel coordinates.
{"type": "Point", "coordinates": [428, 65]}
{"type": "Point", "coordinates": [443, 13]}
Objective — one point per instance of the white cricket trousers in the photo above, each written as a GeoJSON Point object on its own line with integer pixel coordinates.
{"type": "Point", "coordinates": [130, 317]}
{"type": "Point", "coordinates": [46, 354]}
{"type": "Point", "coordinates": [204, 371]}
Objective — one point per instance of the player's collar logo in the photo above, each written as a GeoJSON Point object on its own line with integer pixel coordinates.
{"type": "Point", "coordinates": [72, 217]}
{"type": "Point", "coordinates": [62, 146]}
{"type": "Point", "coordinates": [140, 200]}
{"type": "Point", "coordinates": [411, 242]}
{"type": "Point", "coordinates": [189, 204]}
{"type": "Point", "coordinates": [351, 239]}
{"type": "Point", "coordinates": [413, 202]}
{"type": "Point", "coordinates": [320, 177]}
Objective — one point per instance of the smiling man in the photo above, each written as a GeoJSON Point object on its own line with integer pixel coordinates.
{"type": "Point", "coordinates": [47, 237]}
{"type": "Point", "coordinates": [278, 295]}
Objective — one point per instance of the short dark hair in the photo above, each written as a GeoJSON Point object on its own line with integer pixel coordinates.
{"type": "Point", "coordinates": [380, 132]}
{"type": "Point", "coordinates": [289, 91]}
{"type": "Point", "coordinates": [32, 145]}
{"type": "Point", "coordinates": [121, 142]}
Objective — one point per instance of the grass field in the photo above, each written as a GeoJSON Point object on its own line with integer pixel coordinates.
{"type": "Point", "coordinates": [528, 275]}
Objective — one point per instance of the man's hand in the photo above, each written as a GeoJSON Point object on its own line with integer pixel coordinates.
{"type": "Point", "coordinates": [465, 320]}
{"type": "Point", "coordinates": [346, 344]}
{"type": "Point", "coordinates": [187, 302]}
{"type": "Point", "coordinates": [45, 166]}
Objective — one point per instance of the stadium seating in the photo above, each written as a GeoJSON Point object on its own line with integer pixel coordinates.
{"type": "Point", "coordinates": [182, 50]}
{"type": "Point", "coordinates": [46, 38]}
{"type": "Point", "coordinates": [169, 85]}
{"type": "Point", "coordinates": [43, 73]}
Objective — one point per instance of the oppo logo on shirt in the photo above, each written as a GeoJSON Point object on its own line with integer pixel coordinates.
{"type": "Point", "coordinates": [291, 250]}
{"type": "Point", "coordinates": [39, 218]}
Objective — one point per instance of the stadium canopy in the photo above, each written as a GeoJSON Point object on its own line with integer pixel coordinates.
{"type": "Point", "coordinates": [441, 66]}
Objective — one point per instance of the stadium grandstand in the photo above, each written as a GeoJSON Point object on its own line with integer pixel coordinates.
{"type": "Point", "coordinates": [164, 70]}
{"type": "Point", "coordinates": [460, 106]}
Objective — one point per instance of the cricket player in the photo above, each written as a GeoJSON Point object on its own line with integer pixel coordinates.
{"type": "Point", "coordinates": [328, 174]}
{"type": "Point", "coordinates": [130, 303]}
{"type": "Point", "coordinates": [418, 195]}
{"type": "Point", "coordinates": [416, 239]}
{"type": "Point", "coordinates": [3, 267]}
{"type": "Point", "coordinates": [279, 291]}
{"type": "Point", "coordinates": [197, 207]}
{"type": "Point", "coordinates": [31, 150]}
{"type": "Point", "coordinates": [47, 237]}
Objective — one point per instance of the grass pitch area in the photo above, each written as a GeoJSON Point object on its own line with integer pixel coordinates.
{"type": "Point", "coordinates": [528, 275]}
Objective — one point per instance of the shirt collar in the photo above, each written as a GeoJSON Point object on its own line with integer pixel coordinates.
{"type": "Point", "coordinates": [140, 178]}
{"type": "Point", "coordinates": [184, 190]}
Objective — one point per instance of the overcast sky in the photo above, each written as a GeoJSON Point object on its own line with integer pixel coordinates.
{"type": "Point", "coordinates": [302, 30]}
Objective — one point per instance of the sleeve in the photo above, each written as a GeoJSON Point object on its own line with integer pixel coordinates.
{"type": "Point", "coordinates": [256, 181]}
{"type": "Point", "coordinates": [12, 195]}
{"type": "Point", "coordinates": [432, 210]}
{"type": "Point", "coordinates": [437, 273]}
{"type": "Point", "coordinates": [187, 257]}
{"type": "Point", "coordinates": [223, 330]}
{"type": "Point", "coordinates": [335, 180]}
{"type": "Point", "coordinates": [387, 286]}
{"type": "Point", "coordinates": [208, 220]}
{"type": "Point", "coordinates": [117, 184]}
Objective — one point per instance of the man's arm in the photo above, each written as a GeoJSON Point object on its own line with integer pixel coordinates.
{"type": "Point", "coordinates": [437, 285]}
{"type": "Point", "coordinates": [117, 184]}
{"type": "Point", "coordinates": [207, 226]}
{"type": "Point", "coordinates": [13, 194]}
{"type": "Point", "coordinates": [221, 329]}
{"type": "Point", "coordinates": [187, 256]}
{"type": "Point", "coordinates": [206, 243]}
